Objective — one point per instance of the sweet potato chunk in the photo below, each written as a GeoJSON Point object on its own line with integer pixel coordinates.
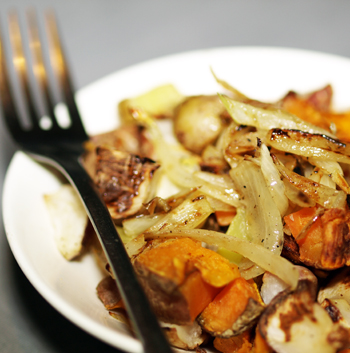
{"type": "Point", "coordinates": [181, 278]}
{"type": "Point", "coordinates": [316, 109]}
{"type": "Point", "coordinates": [323, 239]}
{"type": "Point", "coordinates": [260, 345]}
{"type": "Point", "coordinates": [234, 310]}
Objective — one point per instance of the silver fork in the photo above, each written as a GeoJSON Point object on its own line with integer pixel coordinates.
{"type": "Point", "coordinates": [62, 149]}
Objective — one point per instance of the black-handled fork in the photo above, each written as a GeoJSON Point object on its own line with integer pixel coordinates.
{"type": "Point", "coordinates": [62, 149]}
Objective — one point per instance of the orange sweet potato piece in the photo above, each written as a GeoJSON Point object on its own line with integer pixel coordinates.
{"type": "Point", "coordinates": [234, 310]}
{"type": "Point", "coordinates": [260, 345]}
{"type": "Point", "coordinates": [236, 344]}
{"type": "Point", "coordinates": [315, 108]}
{"type": "Point", "coordinates": [181, 278]}
{"type": "Point", "coordinates": [323, 238]}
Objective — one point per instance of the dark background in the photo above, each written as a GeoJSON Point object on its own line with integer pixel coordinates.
{"type": "Point", "coordinates": [102, 36]}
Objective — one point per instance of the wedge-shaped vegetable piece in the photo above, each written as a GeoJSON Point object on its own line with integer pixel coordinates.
{"type": "Point", "coordinates": [234, 310]}
{"type": "Point", "coordinates": [266, 119]}
{"type": "Point", "coordinates": [181, 278]}
{"type": "Point", "coordinates": [323, 236]}
{"type": "Point", "coordinates": [69, 220]}
{"type": "Point", "coordinates": [235, 344]}
{"type": "Point", "coordinates": [124, 180]}
{"type": "Point", "coordinates": [294, 323]}
{"type": "Point", "coordinates": [159, 102]}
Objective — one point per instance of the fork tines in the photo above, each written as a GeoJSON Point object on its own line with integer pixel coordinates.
{"type": "Point", "coordinates": [34, 76]}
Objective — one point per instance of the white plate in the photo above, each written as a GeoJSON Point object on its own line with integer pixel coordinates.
{"type": "Point", "coordinates": [262, 73]}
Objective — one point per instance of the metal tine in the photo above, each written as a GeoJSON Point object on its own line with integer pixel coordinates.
{"type": "Point", "coordinates": [21, 67]}
{"type": "Point", "coordinates": [8, 104]}
{"type": "Point", "coordinates": [60, 67]}
{"type": "Point", "coordinates": [39, 67]}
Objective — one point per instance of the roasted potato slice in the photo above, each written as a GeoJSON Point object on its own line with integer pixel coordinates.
{"type": "Point", "coordinates": [294, 322]}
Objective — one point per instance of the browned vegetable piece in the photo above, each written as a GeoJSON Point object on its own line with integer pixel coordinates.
{"type": "Point", "coordinates": [198, 122]}
{"type": "Point", "coordinates": [124, 180]}
{"type": "Point", "coordinates": [323, 238]}
{"type": "Point", "coordinates": [291, 249]}
{"type": "Point", "coordinates": [181, 278]}
{"type": "Point", "coordinates": [295, 323]}
{"type": "Point", "coordinates": [308, 145]}
{"type": "Point", "coordinates": [108, 293]}
{"type": "Point", "coordinates": [236, 344]}
{"type": "Point", "coordinates": [234, 310]}
{"type": "Point", "coordinates": [316, 109]}
{"type": "Point", "coordinates": [129, 138]}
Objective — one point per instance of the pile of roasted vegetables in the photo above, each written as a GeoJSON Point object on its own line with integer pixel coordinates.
{"type": "Point", "coordinates": [235, 215]}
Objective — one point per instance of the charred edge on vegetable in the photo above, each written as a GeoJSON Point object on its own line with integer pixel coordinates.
{"type": "Point", "coordinates": [275, 133]}
{"type": "Point", "coordinates": [332, 310]}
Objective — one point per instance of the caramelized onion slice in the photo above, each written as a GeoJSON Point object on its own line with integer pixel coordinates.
{"type": "Point", "coordinates": [177, 163]}
{"type": "Point", "coordinates": [321, 194]}
{"type": "Point", "coordinates": [334, 170]}
{"type": "Point", "coordinates": [273, 180]}
{"type": "Point", "coordinates": [308, 145]}
{"type": "Point", "coordinates": [266, 119]}
{"type": "Point", "coordinates": [264, 224]}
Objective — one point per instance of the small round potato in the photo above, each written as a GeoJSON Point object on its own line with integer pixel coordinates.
{"type": "Point", "coordinates": [197, 122]}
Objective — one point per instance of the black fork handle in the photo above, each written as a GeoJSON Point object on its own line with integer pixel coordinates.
{"type": "Point", "coordinates": [144, 322]}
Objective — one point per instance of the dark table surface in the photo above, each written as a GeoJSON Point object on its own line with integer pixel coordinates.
{"type": "Point", "coordinates": [102, 36]}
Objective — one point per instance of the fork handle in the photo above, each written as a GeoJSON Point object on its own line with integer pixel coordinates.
{"type": "Point", "coordinates": [142, 317]}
